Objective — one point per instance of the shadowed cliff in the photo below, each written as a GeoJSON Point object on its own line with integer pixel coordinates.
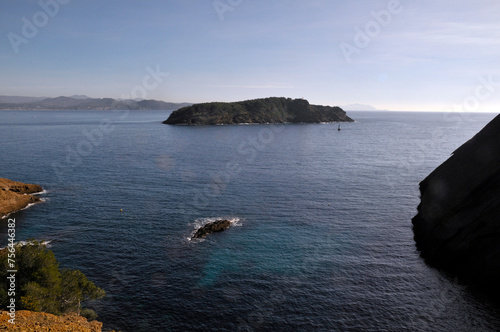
{"type": "Point", "coordinates": [458, 222]}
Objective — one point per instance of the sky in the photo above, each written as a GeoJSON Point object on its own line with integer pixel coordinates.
{"type": "Point", "coordinates": [405, 55]}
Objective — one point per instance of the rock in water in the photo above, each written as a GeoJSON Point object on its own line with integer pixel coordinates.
{"type": "Point", "coordinates": [212, 227]}
{"type": "Point", "coordinates": [458, 222]}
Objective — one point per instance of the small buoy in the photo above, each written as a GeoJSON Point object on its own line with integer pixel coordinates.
{"type": "Point", "coordinates": [121, 210]}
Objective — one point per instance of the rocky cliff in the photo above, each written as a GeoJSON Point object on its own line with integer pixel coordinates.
{"type": "Point", "coordinates": [265, 110]}
{"type": "Point", "coordinates": [458, 222]}
{"type": "Point", "coordinates": [28, 321]}
{"type": "Point", "coordinates": [14, 196]}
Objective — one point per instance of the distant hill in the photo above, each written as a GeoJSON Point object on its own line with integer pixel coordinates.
{"type": "Point", "coordinates": [79, 97]}
{"type": "Point", "coordinates": [265, 110]}
{"type": "Point", "coordinates": [80, 102]}
{"type": "Point", "coordinates": [359, 107]}
{"type": "Point", "coordinates": [19, 99]}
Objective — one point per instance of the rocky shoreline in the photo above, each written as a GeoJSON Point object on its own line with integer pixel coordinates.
{"type": "Point", "coordinates": [41, 321]}
{"type": "Point", "coordinates": [15, 196]}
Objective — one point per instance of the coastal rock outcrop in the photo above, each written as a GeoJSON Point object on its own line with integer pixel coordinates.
{"type": "Point", "coordinates": [14, 196]}
{"type": "Point", "coordinates": [212, 227]}
{"type": "Point", "coordinates": [457, 227]}
{"type": "Point", "coordinates": [30, 321]}
{"type": "Point", "coordinates": [265, 110]}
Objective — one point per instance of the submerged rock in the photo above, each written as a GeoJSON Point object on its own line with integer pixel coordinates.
{"type": "Point", "coordinates": [212, 227]}
{"type": "Point", "coordinates": [458, 222]}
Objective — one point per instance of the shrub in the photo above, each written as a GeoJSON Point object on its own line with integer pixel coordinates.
{"type": "Point", "coordinates": [89, 314]}
{"type": "Point", "coordinates": [41, 285]}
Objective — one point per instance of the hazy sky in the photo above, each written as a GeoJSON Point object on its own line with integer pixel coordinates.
{"type": "Point", "coordinates": [399, 55]}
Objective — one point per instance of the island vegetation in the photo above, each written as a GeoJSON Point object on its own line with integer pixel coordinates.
{"type": "Point", "coordinates": [265, 110]}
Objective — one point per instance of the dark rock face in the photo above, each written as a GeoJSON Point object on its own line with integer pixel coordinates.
{"type": "Point", "coordinates": [458, 222]}
{"type": "Point", "coordinates": [212, 227]}
{"type": "Point", "coordinates": [265, 110]}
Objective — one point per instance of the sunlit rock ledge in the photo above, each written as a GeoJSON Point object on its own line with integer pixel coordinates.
{"type": "Point", "coordinates": [15, 196]}
{"type": "Point", "coordinates": [40, 321]}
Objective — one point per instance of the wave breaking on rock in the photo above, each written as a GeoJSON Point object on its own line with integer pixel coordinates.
{"type": "Point", "coordinates": [15, 196]}
{"type": "Point", "coordinates": [206, 226]}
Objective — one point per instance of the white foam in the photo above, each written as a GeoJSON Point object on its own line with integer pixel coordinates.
{"type": "Point", "coordinates": [27, 206]}
{"type": "Point", "coordinates": [23, 243]}
{"type": "Point", "coordinates": [196, 240]}
{"type": "Point", "coordinates": [40, 192]}
{"type": "Point", "coordinates": [24, 208]}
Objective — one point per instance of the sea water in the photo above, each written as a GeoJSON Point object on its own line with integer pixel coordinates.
{"type": "Point", "coordinates": [321, 237]}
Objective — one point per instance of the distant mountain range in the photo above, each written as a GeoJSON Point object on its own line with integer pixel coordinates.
{"type": "Point", "coordinates": [81, 102]}
{"type": "Point", "coordinates": [19, 99]}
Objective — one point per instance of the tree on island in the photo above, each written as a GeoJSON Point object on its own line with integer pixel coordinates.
{"type": "Point", "coordinates": [42, 286]}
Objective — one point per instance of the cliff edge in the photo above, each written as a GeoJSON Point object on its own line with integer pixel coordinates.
{"type": "Point", "coordinates": [29, 321]}
{"type": "Point", "coordinates": [14, 196]}
{"type": "Point", "coordinates": [457, 227]}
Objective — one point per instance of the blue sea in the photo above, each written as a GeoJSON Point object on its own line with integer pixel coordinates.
{"type": "Point", "coordinates": [321, 239]}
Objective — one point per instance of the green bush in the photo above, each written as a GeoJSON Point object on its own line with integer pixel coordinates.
{"type": "Point", "coordinates": [89, 314]}
{"type": "Point", "coordinates": [41, 285]}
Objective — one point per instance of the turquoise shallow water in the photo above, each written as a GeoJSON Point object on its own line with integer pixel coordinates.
{"type": "Point", "coordinates": [323, 238]}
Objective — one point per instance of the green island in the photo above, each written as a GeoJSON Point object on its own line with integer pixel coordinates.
{"type": "Point", "coordinates": [264, 110]}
